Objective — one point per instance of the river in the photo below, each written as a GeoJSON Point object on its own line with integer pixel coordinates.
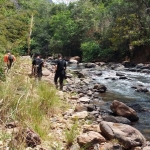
{"type": "Point", "coordinates": [121, 90]}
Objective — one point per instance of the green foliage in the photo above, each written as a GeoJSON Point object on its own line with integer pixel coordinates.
{"type": "Point", "coordinates": [61, 28]}
{"type": "Point", "coordinates": [13, 27]}
{"type": "Point", "coordinates": [2, 69]}
{"type": "Point", "coordinates": [90, 50]}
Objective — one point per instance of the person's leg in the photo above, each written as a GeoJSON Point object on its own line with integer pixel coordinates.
{"type": "Point", "coordinates": [61, 81]}
{"type": "Point", "coordinates": [39, 75]}
{"type": "Point", "coordinates": [55, 80]}
{"type": "Point", "coordinates": [9, 64]}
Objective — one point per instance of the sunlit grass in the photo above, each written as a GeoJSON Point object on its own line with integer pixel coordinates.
{"type": "Point", "coordinates": [71, 134]}
{"type": "Point", "coordinates": [29, 102]}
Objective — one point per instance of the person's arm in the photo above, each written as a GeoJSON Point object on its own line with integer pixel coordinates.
{"type": "Point", "coordinates": [5, 58]}
{"type": "Point", "coordinates": [14, 58]}
{"type": "Point", "coordinates": [33, 64]}
{"type": "Point", "coordinates": [65, 65]}
{"type": "Point", "coordinates": [55, 66]}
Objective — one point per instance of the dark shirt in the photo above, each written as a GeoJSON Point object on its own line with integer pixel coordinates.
{"type": "Point", "coordinates": [61, 65]}
{"type": "Point", "coordinates": [38, 63]}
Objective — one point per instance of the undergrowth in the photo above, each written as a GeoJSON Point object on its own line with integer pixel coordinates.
{"type": "Point", "coordinates": [28, 102]}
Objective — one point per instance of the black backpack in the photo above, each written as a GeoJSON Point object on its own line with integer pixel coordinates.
{"type": "Point", "coordinates": [60, 65]}
{"type": "Point", "coordinates": [10, 58]}
{"type": "Point", "coordinates": [39, 63]}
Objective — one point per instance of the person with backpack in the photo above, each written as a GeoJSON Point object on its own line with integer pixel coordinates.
{"type": "Point", "coordinates": [37, 65]}
{"type": "Point", "coordinates": [9, 59]}
{"type": "Point", "coordinates": [60, 71]}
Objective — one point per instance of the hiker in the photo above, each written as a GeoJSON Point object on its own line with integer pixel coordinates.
{"type": "Point", "coordinates": [60, 71]}
{"type": "Point", "coordinates": [37, 65]}
{"type": "Point", "coordinates": [9, 59]}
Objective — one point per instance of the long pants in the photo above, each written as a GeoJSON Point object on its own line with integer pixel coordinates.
{"type": "Point", "coordinates": [9, 64]}
{"type": "Point", "coordinates": [60, 76]}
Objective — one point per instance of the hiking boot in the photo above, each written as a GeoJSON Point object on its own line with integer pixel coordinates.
{"type": "Point", "coordinates": [61, 87]}
{"type": "Point", "coordinates": [56, 85]}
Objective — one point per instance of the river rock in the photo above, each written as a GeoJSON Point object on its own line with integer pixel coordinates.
{"type": "Point", "coordinates": [80, 115]}
{"type": "Point", "coordinates": [123, 110]}
{"type": "Point", "coordinates": [80, 107]}
{"type": "Point", "coordinates": [100, 87]}
{"type": "Point", "coordinates": [90, 137]}
{"type": "Point", "coordinates": [89, 65]}
{"type": "Point", "coordinates": [140, 88]}
{"type": "Point", "coordinates": [91, 127]}
{"type": "Point", "coordinates": [32, 138]}
{"type": "Point", "coordinates": [110, 146]}
{"type": "Point", "coordinates": [98, 73]}
{"type": "Point", "coordinates": [127, 135]}
{"type": "Point", "coordinates": [84, 99]}
{"type": "Point", "coordinates": [118, 119]}
{"type": "Point", "coordinates": [119, 74]}
{"type": "Point", "coordinates": [122, 77]}
{"type": "Point", "coordinates": [140, 65]}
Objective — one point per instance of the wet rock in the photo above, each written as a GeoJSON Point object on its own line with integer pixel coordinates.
{"type": "Point", "coordinates": [137, 107]}
{"type": "Point", "coordinates": [98, 73]}
{"type": "Point", "coordinates": [119, 74]}
{"type": "Point", "coordinates": [145, 70]}
{"type": "Point", "coordinates": [140, 65]}
{"type": "Point", "coordinates": [140, 88]}
{"type": "Point", "coordinates": [116, 119]}
{"type": "Point", "coordinates": [89, 65]}
{"type": "Point", "coordinates": [123, 110]}
{"type": "Point", "coordinates": [132, 69]}
{"type": "Point", "coordinates": [100, 88]}
{"type": "Point", "coordinates": [123, 77]}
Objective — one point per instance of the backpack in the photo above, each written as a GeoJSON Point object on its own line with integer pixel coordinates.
{"type": "Point", "coordinates": [10, 58]}
{"type": "Point", "coordinates": [60, 65]}
{"type": "Point", "coordinates": [38, 65]}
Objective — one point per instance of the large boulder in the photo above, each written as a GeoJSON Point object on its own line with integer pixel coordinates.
{"type": "Point", "coordinates": [126, 134]}
{"type": "Point", "coordinates": [123, 110]}
{"type": "Point", "coordinates": [74, 59]}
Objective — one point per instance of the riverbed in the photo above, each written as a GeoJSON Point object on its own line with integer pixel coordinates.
{"type": "Point", "coordinates": [121, 90]}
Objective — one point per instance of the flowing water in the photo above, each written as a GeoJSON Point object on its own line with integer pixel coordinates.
{"type": "Point", "coordinates": [120, 89]}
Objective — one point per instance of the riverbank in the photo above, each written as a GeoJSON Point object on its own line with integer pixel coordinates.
{"type": "Point", "coordinates": [87, 98]}
{"type": "Point", "coordinates": [75, 123]}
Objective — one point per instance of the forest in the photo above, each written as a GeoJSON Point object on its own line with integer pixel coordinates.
{"type": "Point", "coordinates": [95, 30]}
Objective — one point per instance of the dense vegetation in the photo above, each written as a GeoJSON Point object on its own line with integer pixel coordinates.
{"type": "Point", "coordinates": [106, 30]}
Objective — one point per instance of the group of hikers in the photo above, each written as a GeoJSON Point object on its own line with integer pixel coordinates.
{"type": "Point", "coordinates": [38, 64]}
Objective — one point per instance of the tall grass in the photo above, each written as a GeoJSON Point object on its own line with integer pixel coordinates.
{"type": "Point", "coordinates": [71, 134]}
{"type": "Point", "coordinates": [30, 103]}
